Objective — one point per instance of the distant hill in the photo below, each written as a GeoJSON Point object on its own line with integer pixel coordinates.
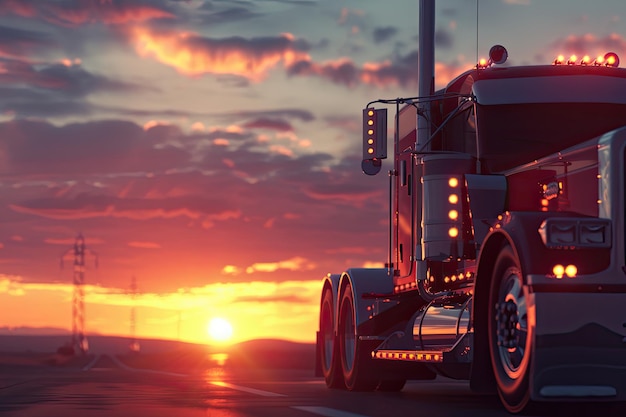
{"type": "Point", "coordinates": [97, 344]}
{"type": "Point", "coordinates": [254, 353]}
{"type": "Point", "coordinates": [32, 331]}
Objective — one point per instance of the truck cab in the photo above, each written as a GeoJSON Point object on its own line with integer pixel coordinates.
{"type": "Point", "coordinates": [508, 246]}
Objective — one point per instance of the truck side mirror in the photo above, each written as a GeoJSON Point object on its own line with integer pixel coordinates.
{"type": "Point", "coordinates": [371, 166]}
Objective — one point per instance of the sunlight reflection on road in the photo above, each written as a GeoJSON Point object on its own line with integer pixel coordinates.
{"type": "Point", "coordinates": [219, 359]}
{"type": "Point", "coordinates": [216, 370]}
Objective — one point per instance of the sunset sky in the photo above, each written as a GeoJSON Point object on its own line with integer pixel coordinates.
{"type": "Point", "coordinates": [211, 149]}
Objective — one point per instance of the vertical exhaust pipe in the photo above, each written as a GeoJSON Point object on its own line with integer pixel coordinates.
{"type": "Point", "coordinates": [426, 70]}
{"type": "Point", "coordinates": [426, 88]}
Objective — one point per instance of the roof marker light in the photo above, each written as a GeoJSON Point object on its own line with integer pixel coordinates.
{"type": "Point", "coordinates": [572, 60]}
{"type": "Point", "coordinates": [611, 60]}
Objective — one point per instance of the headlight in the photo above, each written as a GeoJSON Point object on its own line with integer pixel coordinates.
{"type": "Point", "coordinates": [575, 233]}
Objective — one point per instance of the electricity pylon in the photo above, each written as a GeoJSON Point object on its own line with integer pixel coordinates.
{"type": "Point", "coordinates": [134, 344]}
{"type": "Point", "coordinates": [79, 340]}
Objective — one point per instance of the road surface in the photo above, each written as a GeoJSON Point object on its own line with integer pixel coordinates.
{"type": "Point", "coordinates": [105, 386]}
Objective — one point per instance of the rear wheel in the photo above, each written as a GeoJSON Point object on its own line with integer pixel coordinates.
{"type": "Point", "coordinates": [357, 366]}
{"type": "Point", "coordinates": [331, 367]}
{"type": "Point", "coordinates": [509, 334]}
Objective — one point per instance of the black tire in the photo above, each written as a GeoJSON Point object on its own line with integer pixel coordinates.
{"type": "Point", "coordinates": [359, 373]}
{"type": "Point", "coordinates": [510, 338]}
{"type": "Point", "coordinates": [329, 349]}
{"type": "Point", "coordinates": [391, 385]}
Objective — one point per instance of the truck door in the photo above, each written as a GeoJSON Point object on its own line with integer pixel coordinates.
{"type": "Point", "coordinates": [405, 198]}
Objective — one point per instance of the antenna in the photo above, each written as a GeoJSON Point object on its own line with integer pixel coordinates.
{"type": "Point", "coordinates": [477, 2]}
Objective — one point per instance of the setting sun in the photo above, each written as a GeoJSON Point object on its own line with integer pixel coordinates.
{"type": "Point", "coordinates": [219, 330]}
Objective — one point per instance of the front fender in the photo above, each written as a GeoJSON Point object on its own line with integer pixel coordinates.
{"type": "Point", "coordinates": [520, 231]}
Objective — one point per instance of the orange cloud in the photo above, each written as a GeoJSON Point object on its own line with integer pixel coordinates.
{"type": "Point", "coordinates": [19, 8]}
{"type": "Point", "coordinates": [210, 220]}
{"type": "Point", "coordinates": [113, 15]}
{"type": "Point", "coordinates": [192, 54]}
{"type": "Point", "coordinates": [144, 245]}
{"type": "Point", "coordinates": [153, 123]}
{"type": "Point", "coordinates": [84, 11]}
{"type": "Point", "coordinates": [281, 150]}
{"type": "Point", "coordinates": [70, 241]}
{"type": "Point", "coordinates": [294, 264]}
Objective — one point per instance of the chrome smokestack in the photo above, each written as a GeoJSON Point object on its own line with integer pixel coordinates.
{"type": "Point", "coordinates": [426, 69]}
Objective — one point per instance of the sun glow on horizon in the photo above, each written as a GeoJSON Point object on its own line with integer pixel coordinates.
{"type": "Point", "coordinates": [219, 330]}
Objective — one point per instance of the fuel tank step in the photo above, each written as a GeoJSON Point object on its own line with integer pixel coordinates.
{"type": "Point", "coordinates": [460, 352]}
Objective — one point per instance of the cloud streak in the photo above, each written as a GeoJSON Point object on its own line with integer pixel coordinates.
{"type": "Point", "coordinates": [192, 54]}
{"type": "Point", "coordinates": [80, 12]}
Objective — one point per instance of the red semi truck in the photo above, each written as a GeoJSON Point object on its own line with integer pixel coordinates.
{"type": "Point", "coordinates": [507, 254]}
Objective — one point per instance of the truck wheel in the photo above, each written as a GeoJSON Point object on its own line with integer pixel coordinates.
{"type": "Point", "coordinates": [356, 364]}
{"type": "Point", "coordinates": [331, 367]}
{"type": "Point", "coordinates": [509, 334]}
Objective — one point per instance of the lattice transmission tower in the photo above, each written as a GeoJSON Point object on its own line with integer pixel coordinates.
{"type": "Point", "coordinates": [79, 251]}
{"type": "Point", "coordinates": [134, 343]}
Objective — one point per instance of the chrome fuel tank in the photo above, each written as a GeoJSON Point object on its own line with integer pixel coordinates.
{"type": "Point", "coordinates": [442, 322]}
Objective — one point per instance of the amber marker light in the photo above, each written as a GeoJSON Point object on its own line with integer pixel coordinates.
{"type": "Point", "coordinates": [453, 232]}
{"type": "Point", "coordinates": [611, 59]}
{"type": "Point", "coordinates": [453, 214]}
{"type": "Point", "coordinates": [453, 182]}
{"type": "Point", "coordinates": [558, 271]}
{"type": "Point", "coordinates": [571, 271]}
{"type": "Point", "coordinates": [453, 199]}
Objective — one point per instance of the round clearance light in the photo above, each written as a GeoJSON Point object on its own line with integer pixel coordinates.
{"type": "Point", "coordinates": [611, 60]}
{"type": "Point", "coordinates": [558, 271]}
{"type": "Point", "coordinates": [498, 54]}
{"type": "Point", "coordinates": [571, 271]}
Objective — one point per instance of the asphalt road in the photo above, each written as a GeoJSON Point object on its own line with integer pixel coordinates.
{"type": "Point", "coordinates": [104, 386]}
